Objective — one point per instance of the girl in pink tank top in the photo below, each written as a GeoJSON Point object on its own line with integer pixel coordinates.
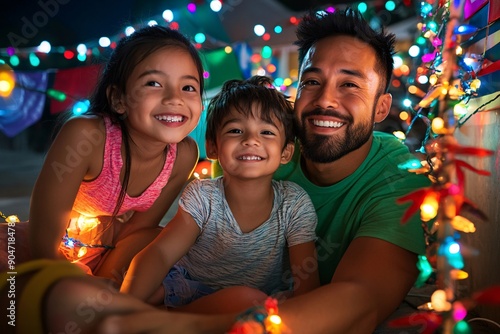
{"type": "Point", "coordinates": [111, 174]}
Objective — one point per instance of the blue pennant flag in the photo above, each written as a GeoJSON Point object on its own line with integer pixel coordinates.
{"type": "Point", "coordinates": [25, 105]}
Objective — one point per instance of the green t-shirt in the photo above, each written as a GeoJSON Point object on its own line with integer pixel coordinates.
{"type": "Point", "coordinates": [363, 204]}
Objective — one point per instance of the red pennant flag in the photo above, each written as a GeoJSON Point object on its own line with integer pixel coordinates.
{"type": "Point", "coordinates": [77, 83]}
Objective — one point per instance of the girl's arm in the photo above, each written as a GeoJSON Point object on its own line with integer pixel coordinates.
{"type": "Point", "coordinates": [304, 264]}
{"type": "Point", "coordinates": [150, 266]}
{"type": "Point", "coordinates": [143, 227]}
{"type": "Point", "coordinates": [74, 155]}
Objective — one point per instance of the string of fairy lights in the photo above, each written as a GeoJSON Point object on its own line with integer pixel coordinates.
{"type": "Point", "coordinates": [453, 82]}
{"type": "Point", "coordinates": [13, 57]}
{"type": "Point", "coordinates": [92, 51]}
{"type": "Point", "coordinates": [172, 17]}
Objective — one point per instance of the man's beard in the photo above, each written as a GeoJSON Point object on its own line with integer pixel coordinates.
{"type": "Point", "coordinates": [324, 149]}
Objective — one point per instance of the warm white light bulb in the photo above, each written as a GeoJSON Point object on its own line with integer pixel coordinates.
{"type": "Point", "coordinates": [215, 5]}
{"type": "Point", "coordinates": [437, 124]}
{"type": "Point", "coordinates": [44, 47]}
{"type": "Point", "coordinates": [439, 302]}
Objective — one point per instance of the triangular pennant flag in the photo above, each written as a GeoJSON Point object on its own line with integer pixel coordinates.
{"type": "Point", "coordinates": [77, 83]}
{"type": "Point", "coordinates": [25, 104]}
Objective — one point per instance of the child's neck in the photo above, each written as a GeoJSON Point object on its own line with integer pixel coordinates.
{"type": "Point", "coordinates": [145, 167]}
{"type": "Point", "coordinates": [147, 153]}
{"type": "Point", "coordinates": [251, 202]}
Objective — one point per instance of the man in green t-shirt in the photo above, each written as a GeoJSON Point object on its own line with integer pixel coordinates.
{"type": "Point", "coordinates": [367, 258]}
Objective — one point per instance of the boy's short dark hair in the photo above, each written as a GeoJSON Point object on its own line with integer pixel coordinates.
{"type": "Point", "coordinates": [314, 27]}
{"type": "Point", "coordinates": [242, 95]}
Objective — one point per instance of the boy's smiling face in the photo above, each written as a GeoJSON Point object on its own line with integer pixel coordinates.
{"type": "Point", "coordinates": [249, 147]}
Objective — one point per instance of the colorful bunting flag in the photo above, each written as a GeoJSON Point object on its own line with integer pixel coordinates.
{"type": "Point", "coordinates": [77, 83]}
{"type": "Point", "coordinates": [25, 104]}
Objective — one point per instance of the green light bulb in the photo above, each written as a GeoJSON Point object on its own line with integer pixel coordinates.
{"type": "Point", "coordinates": [56, 95]}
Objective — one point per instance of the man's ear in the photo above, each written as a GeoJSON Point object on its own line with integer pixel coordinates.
{"type": "Point", "coordinates": [115, 99]}
{"type": "Point", "coordinates": [383, 107]}
{"type": "Point", "coordinates": [211, 150]}
{"type": "Point", "coordinates": [287, 153]}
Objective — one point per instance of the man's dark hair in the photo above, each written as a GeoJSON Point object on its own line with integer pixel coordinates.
{"type": "Point", "coordinates": [315, 26]}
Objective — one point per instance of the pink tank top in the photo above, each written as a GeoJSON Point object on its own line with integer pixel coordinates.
{"type": "Point", "coordinates": [99, 196]}
{"type": "Point", "coordinates": [85, 245]}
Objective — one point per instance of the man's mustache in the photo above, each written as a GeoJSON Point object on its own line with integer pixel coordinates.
{"type": "Point", "coordinates": [326, 112]}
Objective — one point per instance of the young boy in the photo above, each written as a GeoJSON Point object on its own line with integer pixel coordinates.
{"type": "Point", "coordinates": [243, 236]}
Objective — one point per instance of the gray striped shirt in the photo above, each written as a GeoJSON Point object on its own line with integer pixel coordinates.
{"type": "Point", "coordinates": [224, 256]}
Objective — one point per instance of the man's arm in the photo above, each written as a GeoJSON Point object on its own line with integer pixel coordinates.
{"type": "Point", "coordinates": [305, 276]}
{"type": "Point", "coordinates": [370, 282]}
